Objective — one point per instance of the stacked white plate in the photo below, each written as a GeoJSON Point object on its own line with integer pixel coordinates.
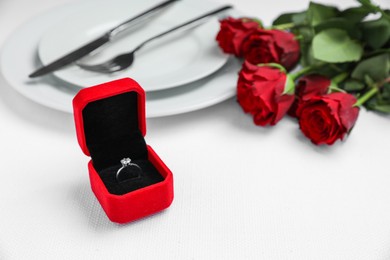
{"type": "Point", "coordinates": [181, 72]}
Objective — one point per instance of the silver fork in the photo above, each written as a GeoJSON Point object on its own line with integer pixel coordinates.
{"type": "Point", "coordinates": [125, 60]}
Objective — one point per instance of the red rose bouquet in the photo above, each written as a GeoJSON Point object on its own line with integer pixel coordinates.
{"type": "Point", "coordinates": [344, 64]}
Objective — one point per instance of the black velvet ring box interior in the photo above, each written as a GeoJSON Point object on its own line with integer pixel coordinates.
{"type": "Point", "coordinates": [112, 133]}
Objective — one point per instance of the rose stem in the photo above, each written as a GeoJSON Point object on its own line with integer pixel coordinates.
{"type": "Point", "coordinates": [298, 37]}
{"type": "Point", "coordinates": [284, 26]}
{"type": "Point", "coordinates": [340, 78]}
{"type": "Point", "coordinates": [274, 65]}
{"type": "Point", "coordinates": [336, 80]}
{"type": "Point", "coordinates": [374, 89]}
{"type": "Point", "coordinates": [375, 8]}
{"type": "Point", "coordinates": [302, 72]}
{"type": "Point", "coordinates": [334, 88]}
{"type": "Point", "coordinates": [369, 94]}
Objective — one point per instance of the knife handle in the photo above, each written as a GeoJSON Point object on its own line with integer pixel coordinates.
{"type": "Point", "coordinates": [126, 24]}
{"type": "Point", "coordinates": [199, 18]}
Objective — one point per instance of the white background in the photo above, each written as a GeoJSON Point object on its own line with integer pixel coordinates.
{"type": "Point", "coordinates": [241, 191]}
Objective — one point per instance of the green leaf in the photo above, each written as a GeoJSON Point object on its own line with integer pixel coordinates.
{"type": "Point", "coordinates": [318, 13]}
{"type": "Point", "coordinates": [327, 71]}
{"type": "Point", "coordinates": [386, 14]}
{"type": "Point", "coordinates": [375, 8]}
{"type": "Point", "coordinates": [300, 18]}
{"type": "Point", "coordinates": [377, 68]}
{"type": "Point", "coordinates": [297, 18]}
{"type": "Point", "coordinates": [386, 91]}
{"type": "Point", "coordinates": [376, 33]}
{"type": "Point", "coordinates": [289, 86]}
{"type": "Point", "coordinates": [379, 108]}
{"type": "Point", "coordinates": [353, 85]}
{"type": "Point", "coordinates": [369, 81]}
{"type": "Point", "coordinates": [342, 24]}
{"type": "Point", "coordinates": [355, 14]}
{"type": "Point", "coordinates": [306, 33]}
{"type": "Point", "coordinates": [283, 18]}
{"type": "Point", "coordinates": [367, 4]}
{"type": "Point", "coordinates": [381, 101]}
{"type": "Point", "coordinates": [335, 46]}
{"type": "Point", "coordinates": [307, 58]}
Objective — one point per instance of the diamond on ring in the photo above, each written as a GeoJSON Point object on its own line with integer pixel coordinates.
{"type": "Point", "coordinates": [126, 161]}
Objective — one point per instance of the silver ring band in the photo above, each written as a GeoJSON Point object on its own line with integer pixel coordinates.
{"type": "Point", "coordinates": [126, 162]}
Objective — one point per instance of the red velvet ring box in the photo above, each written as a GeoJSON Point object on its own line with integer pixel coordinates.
{"type": "Point", "coordinates": [111, 125]}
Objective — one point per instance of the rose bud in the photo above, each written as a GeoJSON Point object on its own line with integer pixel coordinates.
{"type": "Point", "coordinates": [233, 32]}
{"type": "Point", "coordinates": [307, 87]}
{"type": "Point", "coordinates": [272, 46]}
{"type": "Point", "coordinates": [265, 92]}
{"type": "Point", "coordinates": [324, 119]}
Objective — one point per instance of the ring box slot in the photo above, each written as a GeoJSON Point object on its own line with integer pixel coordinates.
{"type": "Point", "coordinates": [111, 125]}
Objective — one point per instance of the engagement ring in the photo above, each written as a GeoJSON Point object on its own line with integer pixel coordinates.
{"type": "Point", "coordinates": [128, 170]}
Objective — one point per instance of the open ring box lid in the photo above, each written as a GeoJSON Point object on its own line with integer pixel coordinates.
{"type": "Point", "coordinates": [111, 125]}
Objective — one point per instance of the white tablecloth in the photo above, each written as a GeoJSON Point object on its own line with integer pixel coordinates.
{"type": "Point", "coordinates": [241, 191]}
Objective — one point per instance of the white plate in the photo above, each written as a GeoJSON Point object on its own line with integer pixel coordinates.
{"type": "Point", "coordinates": [18, 59]}
{"type": "Point", "coordinates": [174, 60]}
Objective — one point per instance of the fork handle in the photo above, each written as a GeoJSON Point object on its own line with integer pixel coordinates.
{"type": "Point", "coordinates": [226, 7]}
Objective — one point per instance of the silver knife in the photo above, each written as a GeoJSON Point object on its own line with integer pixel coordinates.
{"type": "Point", "coordinates": [93, 45]}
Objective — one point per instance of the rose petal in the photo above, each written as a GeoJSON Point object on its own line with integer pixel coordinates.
{"type": "Point", "coordinates": [233, 32]}
{"type": "Point", "coordinates": [264, 86]}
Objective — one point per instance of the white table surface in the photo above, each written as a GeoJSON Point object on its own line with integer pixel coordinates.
{"type": "Point", "coordinates": [241, 191]}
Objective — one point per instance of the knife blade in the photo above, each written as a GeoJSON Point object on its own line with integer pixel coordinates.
{"type": "Point", "coordinates": [93, 45]}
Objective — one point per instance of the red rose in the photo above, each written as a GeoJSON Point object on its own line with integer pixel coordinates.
{"type": "Point", "coordinates": [233, 32]}
{"type": "Point", "coordinates": [260, 93]}
{"type": "Point", "coordinates": [324, 119]}
{"type": "Point", "coordinates": [272, 46]}
{"type": "Point", "coordinates": [308, 87]}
